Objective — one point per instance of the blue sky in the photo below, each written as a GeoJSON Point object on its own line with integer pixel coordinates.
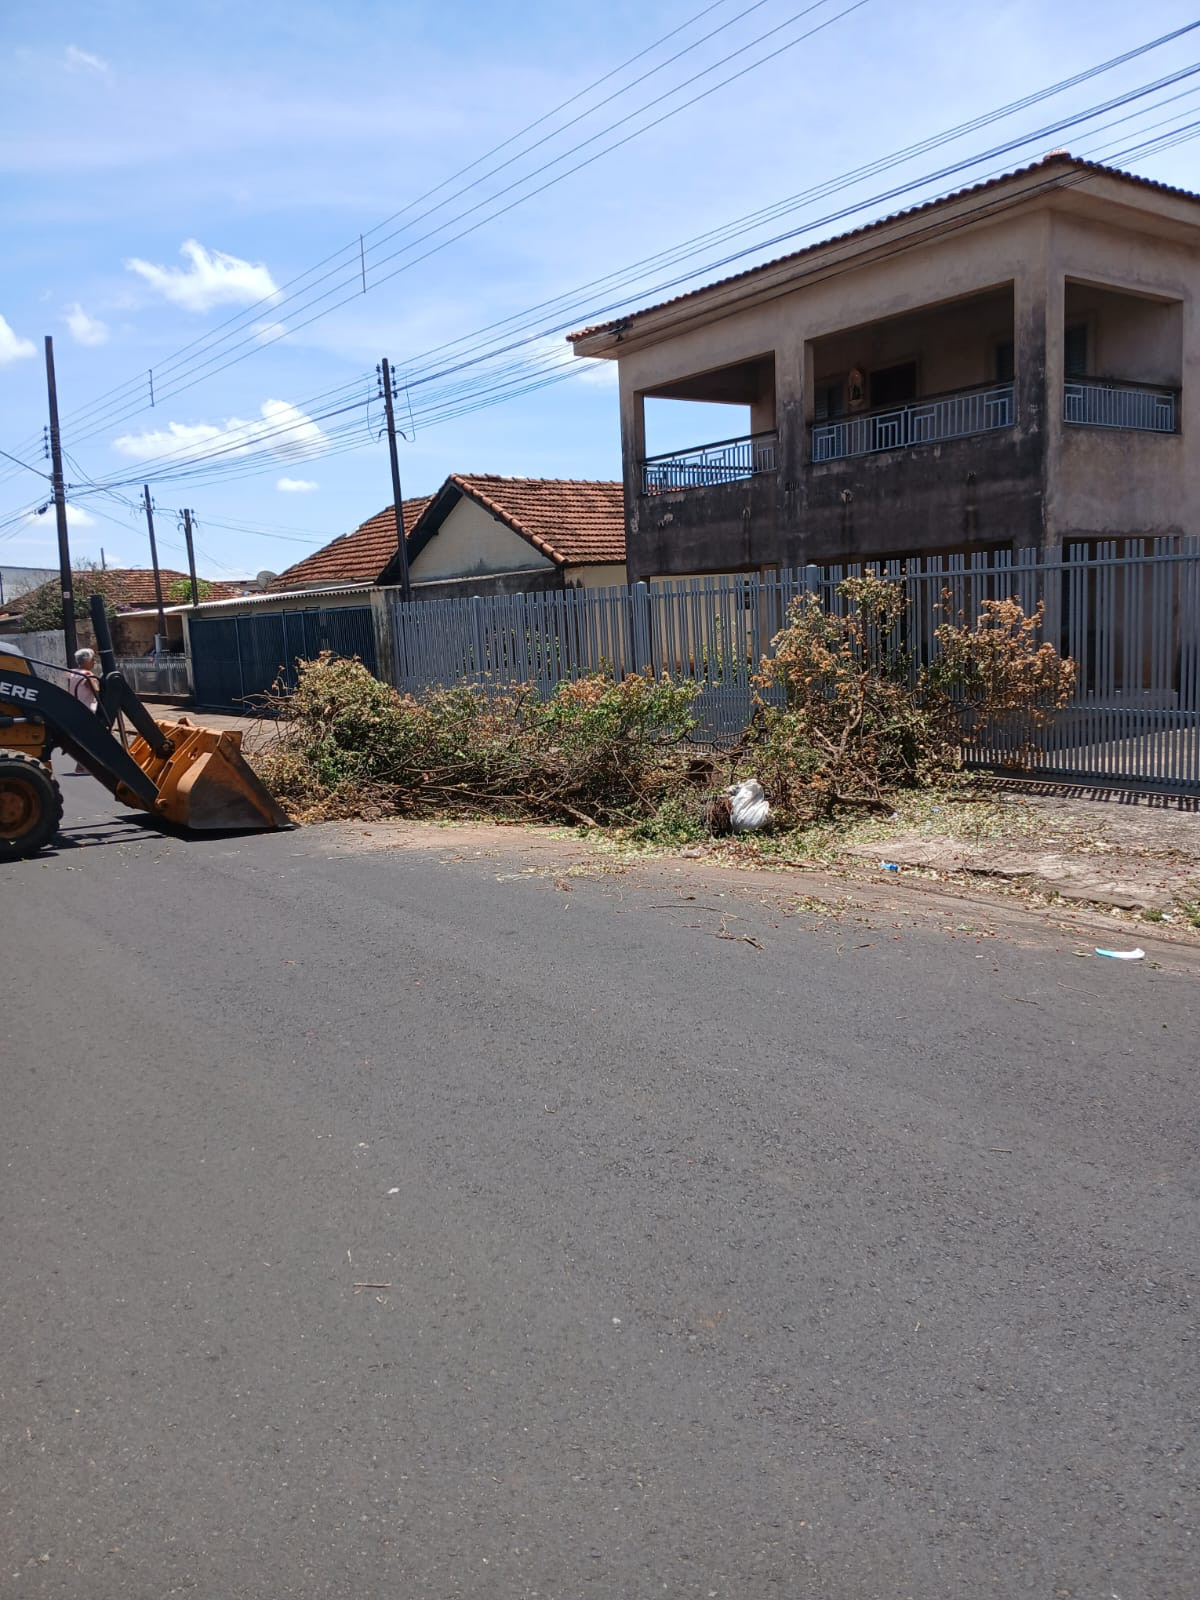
{"type": "Point", "coordinates": [166, 173]}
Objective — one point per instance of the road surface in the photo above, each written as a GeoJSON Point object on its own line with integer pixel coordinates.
{"type": "Point", "coordinates": [376, 1223]}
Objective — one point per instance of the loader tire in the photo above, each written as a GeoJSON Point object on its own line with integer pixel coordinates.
{"type": "Point", "coordinates": [31, 806]}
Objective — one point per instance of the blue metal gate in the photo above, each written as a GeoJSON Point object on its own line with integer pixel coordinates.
{"type": "Point", "coordinates": [235, 660]}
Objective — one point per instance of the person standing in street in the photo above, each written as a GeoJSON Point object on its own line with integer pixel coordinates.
{"type": "Point", "coordinates": [85, 686]}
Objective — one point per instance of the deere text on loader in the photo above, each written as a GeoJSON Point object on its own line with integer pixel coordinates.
{"type": "Point", "coordinates": [194, 777]}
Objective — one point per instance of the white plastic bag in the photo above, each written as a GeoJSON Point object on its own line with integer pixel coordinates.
{"type": "Point", "coordinates": [749, 807]}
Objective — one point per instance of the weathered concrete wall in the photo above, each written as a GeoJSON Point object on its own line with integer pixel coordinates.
{"type": "Point", "coordinates": [899, 501]}
{"type": "Point", "coordinates": [1108, 481]}
{"type": "Point", "coordinates": [133, 635]}
{"type": "Point", "coordinates": [983, 491]}
{"type": "Point", "coordinates": [728, 527]}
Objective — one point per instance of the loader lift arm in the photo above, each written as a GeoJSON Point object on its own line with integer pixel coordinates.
{"type": "Point", "coordinates": [193, 776]}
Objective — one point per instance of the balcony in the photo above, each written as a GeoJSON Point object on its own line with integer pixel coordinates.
{"type": "Point", "coordinates": [726, 461]}
{"type": "Point", "coordinates": [1098, 403]}
{"type": "Point", "coordinates": [947, 416]}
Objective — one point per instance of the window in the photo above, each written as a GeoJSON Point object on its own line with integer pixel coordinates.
{"type": "Point", "coordinates": [1075, 350]}
{"type": "Point", "coordinates": [894, 386]}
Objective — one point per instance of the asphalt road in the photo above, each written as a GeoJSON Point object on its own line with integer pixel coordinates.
{"type": "Point", "coordinates": [377, 1226]}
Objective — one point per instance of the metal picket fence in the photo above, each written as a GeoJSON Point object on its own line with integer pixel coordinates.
{"type": "Point", "coordinates": [151, 676]}
{"type": "Point", "coordinates": [1126, 611]}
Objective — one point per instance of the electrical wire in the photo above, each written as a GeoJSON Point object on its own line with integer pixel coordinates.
{"type": "Point", "coordinates": [354, 250]}
{"type": "Point", "coordinates": [1048, 130]}
{"type": "Point", "coordinates": [221, 360]}
{"type": "Point", "coordinates": [709, 267]}
{"type": "Point", "coordinates": [520, 378]}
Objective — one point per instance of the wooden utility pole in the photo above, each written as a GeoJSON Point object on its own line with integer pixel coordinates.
{"type": "Point", "coordinates": [71, 637]}
{"type": "Point", "coordinates": [158, 600]}
{"type": "Point", "coordinates": [187, 538]}
{"type": "Point", "coordinates": [397, 501]}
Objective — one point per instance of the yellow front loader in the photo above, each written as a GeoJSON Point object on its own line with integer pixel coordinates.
{"type": "Point", "coordinates": [192, 776]}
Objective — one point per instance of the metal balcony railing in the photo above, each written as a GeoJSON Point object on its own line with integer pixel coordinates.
{"type": "Point", "coordinates": [726, 461]}
{"type": "Point", "coordinates": [947, 416]}
{"type": "Point", "coordinates": [1097, 403]}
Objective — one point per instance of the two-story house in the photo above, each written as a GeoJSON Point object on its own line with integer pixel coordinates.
{"type": "Point", "coordinates": [1008, 366]}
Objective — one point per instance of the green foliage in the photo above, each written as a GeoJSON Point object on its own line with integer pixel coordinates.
{"type": "Point", "coordinates": [42, 611]}
{"type": "Point", "coordinates": [863, 721]}
{"type": "Point", "coordinates": [595, 752]}
{"type": "Point", "coordinates": [179, 590]}
{"type": "Point", "coordinates": [676, 820]}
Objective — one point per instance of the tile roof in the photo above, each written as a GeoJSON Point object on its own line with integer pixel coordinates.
{"type": "Point", "coordinates": [1057, 158]}
{"type": "Point", "coordinates": [127, 588]}
{"type": "Point", "coordinates": [356, 557]}
{"type": "Point", "coordinates": [573, 521]}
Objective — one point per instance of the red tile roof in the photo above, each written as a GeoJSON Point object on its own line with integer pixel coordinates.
{"type": "Point", "coordinates": [573, 521]}
{"type": "Point", "coordinates": [357, 557]}
{"type": "Point", "coordinates": [1059, 158]}
{"type": "Point", "coordinates": [128, 588]}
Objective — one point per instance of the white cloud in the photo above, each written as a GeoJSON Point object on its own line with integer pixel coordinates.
{"type": "Point", "coordinates": [77, 517]}
{"type": "Point", "coordinates": [85, 329]}
{"type": "Point", "coordinates": [212, 278]}
{"type": "Point", "coordinates": [283, 428]}
{"type": "Point", "coordinates": [12, 346]}
{"type": "Point", "coordinates": [269, 332]}
{"type": "Point", "coordinates": [83, 61]}
{"type": "Point", "coordinates": [296, 485]}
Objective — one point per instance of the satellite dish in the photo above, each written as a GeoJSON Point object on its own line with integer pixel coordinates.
{"type": "Point", "coordinates": [263, 578]}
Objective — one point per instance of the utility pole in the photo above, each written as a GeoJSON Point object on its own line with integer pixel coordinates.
{"type": "Point", "coordinates": [187, 539]}
{"type": "Point", "coordinates": [162, 621]}
{"type": "Point", "coordinates": [397, 501]}
{"type": "Point", "coordinates": [70, 636]}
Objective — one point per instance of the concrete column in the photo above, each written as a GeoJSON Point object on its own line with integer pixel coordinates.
{"type": "Point", "coordinates": [633, 451]}
{"type": "Point", "coordinates": [1038, 352]}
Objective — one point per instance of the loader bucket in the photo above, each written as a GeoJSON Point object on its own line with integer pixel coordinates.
{"type": "Point", "coordinates": [206, 783]}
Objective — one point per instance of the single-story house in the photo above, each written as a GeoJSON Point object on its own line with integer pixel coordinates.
{"type": "Point", "coordinates": [351, 558]}
{"type": "Point", "coordinates": [478, 535]}
{"type": "Point", "coordinates": [486, 534]}
{"type": "Point", "coordinates": [481, 534]}
{"type": "Point", "coordinates": [130, 595]}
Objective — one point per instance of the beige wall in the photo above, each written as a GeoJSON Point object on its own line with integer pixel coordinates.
{"type": "Point", "coordinates": [472, 543]}
{"type": "Point", "coordinates": [952, 345]}
{"type": "Point", "coordinates": [1107, 480]}
{"type": "Point", "coordinates": [603, 575]}
{"type": "Point", "coordinates": [1128, 336]}
{"type": "Point", "coordinates": [856, 294]}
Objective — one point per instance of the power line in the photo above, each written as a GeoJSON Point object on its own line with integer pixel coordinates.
{"type": "Point", "coordinates": [354, 246]}
{"type": "Point", "coordinates": [1048, 130]}
{"type": "Point", "coordinates": [259, 434]}
{"type": "Point", "coordinates": [221, 360]}
{"type": "Point", "coordinates": [520, 378]}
